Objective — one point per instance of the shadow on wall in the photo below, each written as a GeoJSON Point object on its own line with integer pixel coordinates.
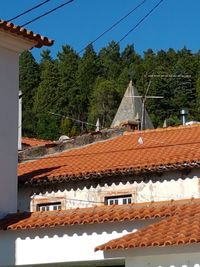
{"type": "Point", "coordinates": [7, 248]}
{"type": "Point", "coordinates": [42, 173]}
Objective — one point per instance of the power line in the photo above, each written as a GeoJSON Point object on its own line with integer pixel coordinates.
{"type": "Point", "coordinates": [29, 10]}
{"type": "Point", "coordinates": [113, 26]}
{"type": "Point", "coordinates": [139, 22]}
{"type": "Point", "coordinates": [70, 118]}
{"type": "Point", "coordinates": [169, 76]}
{"type": "Point", "coordinates": [47, 13]}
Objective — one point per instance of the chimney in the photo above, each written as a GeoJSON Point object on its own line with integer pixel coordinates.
{"type": "Point", "coordinates": [183, 114]}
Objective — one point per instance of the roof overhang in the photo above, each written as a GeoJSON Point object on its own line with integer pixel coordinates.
{"type": "Point", "coordinates": [18, 39]}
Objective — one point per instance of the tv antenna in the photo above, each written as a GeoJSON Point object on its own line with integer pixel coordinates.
{"type": "Point", "coordinates": [144, 99]}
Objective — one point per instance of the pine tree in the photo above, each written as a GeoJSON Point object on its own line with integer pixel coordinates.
{"type": "Point", "coordinates": [110, 62]}
{"type": "Point", "coordinates": [104, 103]}
{"type": "Point", "coordinates": [67, 94]}
{"type": "Point", "coordinates": [29, 79]}
{"type": "Point", "coordinates": [85, 78]}
{"type": "Point", "coordinates": [185, 92]}
{"type": "Point", "coordinates": [46, 99]}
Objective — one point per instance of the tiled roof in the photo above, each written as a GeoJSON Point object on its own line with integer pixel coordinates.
{"type": "Point", "coordinates": [7, 26]}
{"type": "Point", "coordinates": [98, 214]}
{"type": "Point", "coordinates": [162, 149]}
{"type": "Point", "coordinates": [181, 228]}
{"type": "Point", "coordinates": [35, 142]}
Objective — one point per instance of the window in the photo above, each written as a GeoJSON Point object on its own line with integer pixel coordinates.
{"type": "Point", "coordinates": [118, 200]}
{"type": "Point", "coordinates": [49, 206]}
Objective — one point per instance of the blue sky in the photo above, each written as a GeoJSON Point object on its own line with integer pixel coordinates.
{"type": "Point", "coordinates": [174, 24]}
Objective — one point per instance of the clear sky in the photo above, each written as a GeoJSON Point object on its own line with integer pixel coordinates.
{"type": "Point", "coordinates": [174, 24]}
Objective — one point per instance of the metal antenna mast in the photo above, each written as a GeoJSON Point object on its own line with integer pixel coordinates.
{"type": "Point", "coordinates": [143, 99]}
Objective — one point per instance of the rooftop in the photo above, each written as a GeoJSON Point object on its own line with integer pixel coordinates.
{"type": "Point", "coordinates": [160, 150]}
{"type": "Point", "coordinates": [180, 229]}
{"type": "Point", "coordinates": [32, 142]}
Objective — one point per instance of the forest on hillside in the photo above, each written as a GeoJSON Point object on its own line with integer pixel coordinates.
{"type": "Point", "coordinates": [91, 86]}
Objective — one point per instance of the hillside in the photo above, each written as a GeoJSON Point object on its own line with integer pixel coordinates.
{"type": "Point", "coordinates": [91, 86]}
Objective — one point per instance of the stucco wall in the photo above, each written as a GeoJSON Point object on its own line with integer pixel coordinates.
{"type": "Point", "coordinates": [176, 260]}
{"type": "Point", "coordinates": [171, 185]}
{"type": "Point", "coordinates": [168, 256]}
{"type": "Point", "coordinates": [10, 47]}
{"type": "Point", "coordinates": [60, 244]}
{"type": "Point", "coordinates": [8, 130]}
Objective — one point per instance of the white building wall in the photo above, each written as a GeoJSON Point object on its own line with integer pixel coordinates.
{"type": "Point", "coordinates": [61, 244]}
{"type": "Point", "coordinates": [168, 256]}
{"type": "Point", "coordinates": [172, 186]}
{"type": "Point", "coordinates": [10, 47]}
{"type": "Point", "coordinates": [8, 131]}
{"type": "Point", "coordinates": [172, 260]}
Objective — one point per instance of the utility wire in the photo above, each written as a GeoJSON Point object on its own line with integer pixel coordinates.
{"type": "Point", "coordinates": [113, 26]}
{"type": "Point", "coordinates": [29, 10]}
{"type": "Point", "coordinates": [70, 118]}
{"type": "Point", "coordinates": [139, 22]}
{"type": "Point", "coordinates": [47, 13]}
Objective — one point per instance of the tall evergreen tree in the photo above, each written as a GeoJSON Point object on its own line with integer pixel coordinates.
{"type": "Point", "coordinates": [67, 66]}
{"type": "Point", "coordinates": [46, 102]}
{"type": "Point", "coordinates": [110, 61]}
{"type": "Point", "coordinates": [185, 92]}
{"type": "Point", "coordinates": [197, 115]}
{"type": "Point", "coordinates": [104, 103]}
{"type": "Point", "coordinates": [29, 79]}
{"type": "Point", "coordinates": [85, 78]}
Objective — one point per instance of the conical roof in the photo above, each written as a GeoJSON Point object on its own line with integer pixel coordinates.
{"type": "Point", "coordinates": [130, 109]}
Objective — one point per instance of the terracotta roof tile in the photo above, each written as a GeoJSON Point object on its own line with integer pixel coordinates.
{"type": "Point", "coordinates": [35, 142]}
{"type": "Point", "coordinates": [163, 149]}
{"type": "Point", "coordinates": [9, 27]}
{"type": "Point", "coordinates": [181, 228]}
{"type": "Point", "coordinates": [98, 214]}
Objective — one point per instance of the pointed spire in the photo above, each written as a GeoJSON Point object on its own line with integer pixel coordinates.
{"type": "Point", "coordinates": [97, 125]}
{"type": "Point", "coordinates": [130, 109]}
{"type": "Point", "coordinates": [165, 123]}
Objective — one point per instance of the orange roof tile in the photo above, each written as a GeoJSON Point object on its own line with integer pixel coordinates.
{"type": "Point", "coordinates": [35, 142]}
{"type": "Point", "coordinates": [162, 149]}
{"type": "Point", "coordinates": [181, 228]}
{"type": "Point", "coordinates": [98, 214]}
{"type": "Point", "coordinates": [7, 26]}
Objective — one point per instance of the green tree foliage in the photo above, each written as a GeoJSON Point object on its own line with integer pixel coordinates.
{"type": "Point", "coordinates": [29, 79]}
{"type": "Point", "coordinates": [85, 78]}
{"type": "Point", "coordinates": [198, 99]}
{"type": "Point", "coordinates": [110, 61]}
{"type": "Point", "coordinates": [104, 102]}
{"type": "Point", "coordinates": [45, 102]}
{"type": "Point", "coordinates": [67, 66]}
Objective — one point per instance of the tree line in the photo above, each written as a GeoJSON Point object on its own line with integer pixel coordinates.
{"type": "Point", "coordinates": [67, 94]}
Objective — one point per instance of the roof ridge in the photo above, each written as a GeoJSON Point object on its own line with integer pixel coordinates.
{"type": "Point", "coordinates": [170, 128]}
{"type": "Point", "coordinates": [171, 202]}
{"type": "Point", "coordinates": [97, 215]}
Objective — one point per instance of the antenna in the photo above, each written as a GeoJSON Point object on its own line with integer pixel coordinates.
{"type": "Point", "coordinates": [144, 98]}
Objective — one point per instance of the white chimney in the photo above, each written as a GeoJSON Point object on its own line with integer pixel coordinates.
{"type": "Point", "coordinates": [20, 122]}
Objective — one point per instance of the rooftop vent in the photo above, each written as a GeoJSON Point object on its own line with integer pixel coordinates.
{"type": "Point", "coordinates": [183, 114]}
